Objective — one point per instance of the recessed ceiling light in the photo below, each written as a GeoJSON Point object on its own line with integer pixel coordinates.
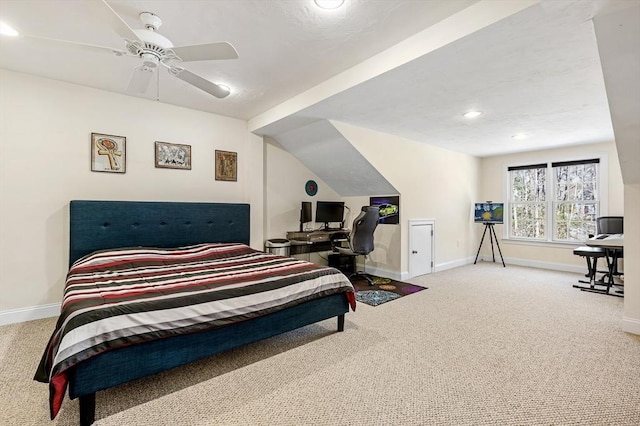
{"type": "Point", "coordinates": [520, 136]}
{"type": "Point", "coordinates": [472, 114]}
{"type": "Point", "coordinates": [329, 4]}
{"type": "Point", "coordinates": [7, 30]}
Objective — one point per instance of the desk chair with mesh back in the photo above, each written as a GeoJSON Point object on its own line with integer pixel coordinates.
{"type": "Point", "coordinates": [361, 238]}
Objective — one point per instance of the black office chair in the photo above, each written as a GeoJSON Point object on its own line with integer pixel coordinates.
{"type": "Point", "coordinates": [361, 238]}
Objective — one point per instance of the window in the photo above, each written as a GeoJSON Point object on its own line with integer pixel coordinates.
{"type": "Point", "coordinates": [575, 204]}
{"type": "Point", "coordinates": [528, 201]}
{"type": "Point", "coordinates": [554, 201]}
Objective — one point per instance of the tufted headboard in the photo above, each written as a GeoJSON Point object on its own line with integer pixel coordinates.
{"type": "Point", "coordinates": [97, 225]}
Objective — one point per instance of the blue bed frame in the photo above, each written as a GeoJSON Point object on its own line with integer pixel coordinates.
{"type": "Point", "coordinates": [96, 225]}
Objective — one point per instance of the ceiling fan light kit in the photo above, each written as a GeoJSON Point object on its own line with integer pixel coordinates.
{"type": "Point", "coordinates": [150, 20]}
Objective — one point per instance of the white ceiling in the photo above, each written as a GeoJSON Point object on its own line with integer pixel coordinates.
{"type": "Point", "coordinates": [284, 47]}
{"type": "Point", "coordinates": [536, 72]}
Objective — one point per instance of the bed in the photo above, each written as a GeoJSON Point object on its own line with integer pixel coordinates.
{"type": "Point", "coordinates": [209, 234]}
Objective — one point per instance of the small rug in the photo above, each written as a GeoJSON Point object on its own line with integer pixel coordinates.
{"type": "Point", "coordinates": [383, 290]}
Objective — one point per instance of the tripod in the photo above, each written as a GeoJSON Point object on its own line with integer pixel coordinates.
{"type": "Point", "coordinates": [492, 235]}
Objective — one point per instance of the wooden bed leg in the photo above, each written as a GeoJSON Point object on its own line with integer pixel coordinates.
{"type": "Point", "coordinates": [87, 409]}
{"type": "Point", "coordinates": [341, 322]}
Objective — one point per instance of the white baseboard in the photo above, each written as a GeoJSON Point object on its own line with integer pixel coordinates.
{"type": "Point", "coordinates": [453, 264]}
{"type": "Point", "coordinates": [631, 325]}
{"type": "Point", "coordinates": [380, 272]}
{"type": "Point", "coordinates": [404, 275]}
{"type": "Point", "coordinates": [508, 261]}
{"type": "Point", "coordinates": [537, 264]}
{"type": "Point", "coordinates": [28, 314]}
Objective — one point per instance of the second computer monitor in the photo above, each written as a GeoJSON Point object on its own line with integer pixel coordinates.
{"type": "Point", "coordinates": [330, 212]}
{"type": "Point", "coordinates": [305, 214]}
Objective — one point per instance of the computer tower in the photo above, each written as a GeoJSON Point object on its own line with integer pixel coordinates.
{"type": "Point", "coordinates": [346, 264]}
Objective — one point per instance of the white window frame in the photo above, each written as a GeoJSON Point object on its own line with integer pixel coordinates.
{"type": "Point", "coordinates": [603, 195]}
{"type": "Point", "coordinates": [555, 203]}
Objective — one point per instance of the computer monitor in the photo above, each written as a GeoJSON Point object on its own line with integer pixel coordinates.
{"type": "Point", "coordinates": [305, 214]}
{"type": "Point", "coordinates": [329, 212]}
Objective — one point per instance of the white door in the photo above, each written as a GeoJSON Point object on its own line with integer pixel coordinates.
{"type": "Point", "coordinates": [420, 247]}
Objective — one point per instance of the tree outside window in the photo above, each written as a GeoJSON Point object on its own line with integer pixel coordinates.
{"type": "Point", "coordinates": [576, 203]}
{"type": "Point", "coordinates": [573, 204]}
{"type": "Point", "coordinates": [527, 206]}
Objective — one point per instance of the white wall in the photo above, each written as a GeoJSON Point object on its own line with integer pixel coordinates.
{"type": "Point", "coordinates": [284, 182]}
{"type": "Point", "coordinates": [631, 319]}
{"type": "Point", "coordinates": [540, 255]}
{"type": "Point", "coordinates": [45, 129]}
{"type": "Point", "coordinates": [433, 183]}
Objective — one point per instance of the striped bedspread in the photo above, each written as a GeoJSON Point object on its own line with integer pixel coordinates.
{"type": "Point", "coordinates": [125, 296]}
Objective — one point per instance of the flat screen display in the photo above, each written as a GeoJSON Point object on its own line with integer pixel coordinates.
{"type": "Point", "coordinates": [305, 212]}
{"type": "Point", "coordinates": [489, 213]}
{"type": "Point", "coordinates": [329, 211]}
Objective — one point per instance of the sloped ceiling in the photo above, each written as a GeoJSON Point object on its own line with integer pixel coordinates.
{"type": "Point", "coordinates": [329, 155]}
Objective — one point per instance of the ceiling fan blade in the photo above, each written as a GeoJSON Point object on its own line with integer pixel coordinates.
{"type": "Point", "coordinates": [140, 80]}
{"type": "Point", "coordinates": [199, 82]}
{"type": "Point", "coordinates": [84, 46]}
{"type": "Point", "coordinates": [206, 52]}
{"type": "Point", "coordinates": [102, 9]}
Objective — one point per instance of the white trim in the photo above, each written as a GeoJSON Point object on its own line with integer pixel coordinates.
{"type": "Point", "coordinates": [454, 264]}
{"type": "Point", "coordinates": [603, 191]}
{"type": "Point", "coordinates": [380, 272]}
{"type": "Point", "coordinates": [538, 264]}
{"type": "Point", "coordinates": [29, 314]}
{"type": "Point", "coordinates": [443, 266]}
{"type": "Point", "coordinates": [508, 261]}
{"type": "Point", "coordinates": [538, 243]}
{"type": "Point", "coordinates": [631, 325]}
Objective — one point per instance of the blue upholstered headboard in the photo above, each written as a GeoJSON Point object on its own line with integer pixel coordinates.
{"type": "Point", "coordinates": [97, 225]}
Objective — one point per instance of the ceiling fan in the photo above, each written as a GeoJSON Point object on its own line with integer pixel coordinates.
{"type": "Point", "coordinates": [155, 50]}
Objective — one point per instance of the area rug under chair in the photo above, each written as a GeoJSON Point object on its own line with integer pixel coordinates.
{"type": "Point", "coordinates": [383, 290]}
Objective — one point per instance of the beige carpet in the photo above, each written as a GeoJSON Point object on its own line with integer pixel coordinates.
{"type": "Point", "coordinates": [485, 345]}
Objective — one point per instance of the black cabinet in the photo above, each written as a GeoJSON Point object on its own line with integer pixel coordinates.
{"type": "Point", "coordinates": [343, 262]}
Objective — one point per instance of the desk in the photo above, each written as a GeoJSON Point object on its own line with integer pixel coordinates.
{"type": "Point", "coordinates": [613, 245]}
{"type": "Point", "coordinates": [315, 241]}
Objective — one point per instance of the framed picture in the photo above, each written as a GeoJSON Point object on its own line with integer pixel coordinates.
{"type": "Point", "coordinates": [108, 153]}
{"type": "Point", "coordinates": [173, 156]}
{"type": "Point", "coordinates": [226, 165]}
{"type": "Point", "coordinates": [389, 208]}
